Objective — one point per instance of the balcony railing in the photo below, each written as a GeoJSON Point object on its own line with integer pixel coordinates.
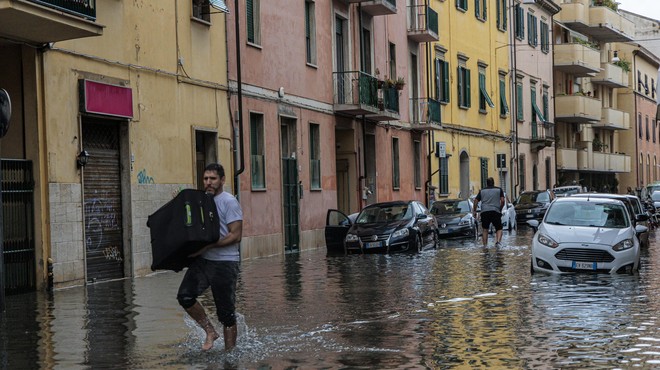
{"type": "Point", "coordinates": [599, 22]}
{"type": "Point", "coordinates": [577, 59]}
{"type": "Point", "coordinates": [422, 23]}
{"type": "Point", "coordinates": [603, 162]}
{"type": "Point", "coordinates": [356, 93]}
{"type": "Point", "coordinates": [83, 8]}
{"type": "Point", "coordinates": [425, 114]}
{"type": "Point", "coordinates": [379, 7]}
{"type": "Point", "coordinates": [543, 135]}
{"type": "Point", "coordinates": [611, 75]}
{"type": "Point", "coordinates": [388, 105]}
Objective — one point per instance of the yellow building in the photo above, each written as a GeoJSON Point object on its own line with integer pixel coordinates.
{"type": "Point", "coordinates": [471, 80]}
{"type": "Point", "coordinates": [117, 105]}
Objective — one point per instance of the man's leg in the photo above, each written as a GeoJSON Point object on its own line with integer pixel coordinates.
{"type": "Point", "coordinates": [230, 332]}
{"type": "Point", "coordinates": [484, 233]}
{"type": "Point", "coordinates": [498, 235]}
{"type": "Point", "coordinates": [197, 312]}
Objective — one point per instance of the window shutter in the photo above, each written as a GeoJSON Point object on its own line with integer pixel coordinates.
{"type": "Point", "coordinates": [477, 10]}
{"type": "Point", "coordinates": [445, 82]}
{"type": "Point", "coordinates": [485, 11]}
{"type": "Point", "coordinates": [467, 88]}
{"type": "Point", "coordinates": [461, 100]}
{"type": "Point", "coordinates": [497, 14]}
{"type": "Point", "coordinates": [438, 71]}
{"type": "Point", "coordinates": [504, 15]}
{"type": "Point", "coordinates": [519, 102]}
{"type": "Point", "coordinates": [249, 11]}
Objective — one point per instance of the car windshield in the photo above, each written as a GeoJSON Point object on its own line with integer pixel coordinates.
{"type": "Point", "coordinates": [527, 198]}
{"type": "Point", "coordinates": [655, 196]}
{"type": "Point", "coordinates": [384, 213]}
{"type": "Point", "coordinates": [565, 191]}
{"type": "Point", "coordinates": [585, 213]}
{"type": "Point", "coordinates": [450, 207]}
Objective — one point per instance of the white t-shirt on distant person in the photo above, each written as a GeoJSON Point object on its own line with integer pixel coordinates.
{"type": "Point", "coordinates": [229, 210]}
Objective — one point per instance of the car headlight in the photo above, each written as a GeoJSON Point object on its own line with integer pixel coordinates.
{"type": "Point", "coordinates": [351, 238]}
{"type": "Point", "coordinates": [623, 245]}
{"type": "Point", "coordinates": [463, 222]}
{"type": "Point", "coordinates": [400, 233]}
{"type": "Point", "coordinates": [547, 241]}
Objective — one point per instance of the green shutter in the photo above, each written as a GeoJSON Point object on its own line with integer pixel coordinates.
{"type": "Point", "coordinates": [477, 10]}
{"type": "Point", "coordinates": [438, 71]}
{"type": "Point", "coordinates": [461, 100]}
{"type": "Point", "coordinates": [497, 13]}
{"type": "Point", "coordinates": [467, 88]}
{"type": "Point", "coordinates": [249, 12]}
{"type": "Point", "coordinates": [445, 82]}
{"type": "Point", "coordinates": [519, 102]}
{"type": "Point", "coordinates": [485, 11]}
{"type": "Point", "coordinates": [504, 15]}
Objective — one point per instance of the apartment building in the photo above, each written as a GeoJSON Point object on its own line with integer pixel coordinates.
{"type": "Point", "coordinates": [471, 74]}
{"type": "Point", "coordinates": [588, 79]}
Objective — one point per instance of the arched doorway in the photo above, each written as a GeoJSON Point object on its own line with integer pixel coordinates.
{"type": "Point", "coordinates": [464, 174]}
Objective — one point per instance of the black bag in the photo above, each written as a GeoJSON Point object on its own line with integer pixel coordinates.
{"type": "Point", "coordinates": [182, 227]}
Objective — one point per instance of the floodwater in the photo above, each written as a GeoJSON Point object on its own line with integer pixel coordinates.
{"type": "Point", "coordinates": [459, 306]}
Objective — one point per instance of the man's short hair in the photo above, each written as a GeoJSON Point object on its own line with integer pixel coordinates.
{"type": "Point", "coordinates": [490, 181]}
{"type": "Point", "coordinates": [217, 167]}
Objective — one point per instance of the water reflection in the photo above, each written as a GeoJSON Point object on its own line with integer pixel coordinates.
{"type": "Point", "coordinates": [462, 305]}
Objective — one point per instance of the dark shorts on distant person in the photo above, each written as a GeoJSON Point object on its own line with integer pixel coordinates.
{"type": "Point", "coordinates": [491, 217]}
{"type": "Point", "coordinates": [221, 276]}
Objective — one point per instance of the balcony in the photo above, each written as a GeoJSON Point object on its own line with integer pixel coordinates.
{"type": "Point", "coordinates": [355, 93]}
{"type": "Point", "coordinates": [543, 135]}
{"type": "Point", "coordinates": [425, 114]}
{"type": "Point", "coordinates": [603, 162]}
{"type": "Point", "coordinates": [379, 7]}
{"type": "Point", "coordinates": [577, 109]}
{"type": "Point", "coordinates": [611, 75]}
{"type": "Point", "coordinates": [613, 119]}
{"type": "Point", "coordinates": [567, 159]}
{"type": "Point", "coordinates": [599, 22]}
{"type": "Point", "coordinates": [40, 22]}
{"type": "Point", "coordinates": [422, 23]}
{"type": "Point", "coordinates": [388, 105]}
{"type": "Point", "coordinates": [577, 59]}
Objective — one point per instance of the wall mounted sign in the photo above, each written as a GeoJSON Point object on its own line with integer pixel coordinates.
{"type": "Point", "coordinates": [106, 99]}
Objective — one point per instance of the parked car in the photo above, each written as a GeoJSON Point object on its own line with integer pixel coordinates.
{"type": "Point", "coordinates": [454, 218]}
{"type": "Point", "coordinates": [634, 207]}
{"type": "Point", "coordinates": [509, 215]}
{"type": "Point", "coordinates": [388, 227]}
{"type": "Point", "coordinates": [655, 197]}
{"type": "Point", "coordinates": [564, 191]}
{"type": "Point", "coordinates": [585, 234]}
{"type": "Point", "coordinates": [531, 205]}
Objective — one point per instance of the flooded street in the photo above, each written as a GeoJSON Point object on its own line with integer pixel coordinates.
{"type": "Point", "coordinates": [460, 306]}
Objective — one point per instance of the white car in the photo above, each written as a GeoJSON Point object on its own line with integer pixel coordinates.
{"type": "Point", "coordinates": [585, 234]}
{"type": "Point", "coordinates": [508, 215]}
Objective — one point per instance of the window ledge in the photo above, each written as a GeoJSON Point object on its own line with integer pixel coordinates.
{"type": "Point", "coordinates": [200, 21]}
{"type": "Point", "coordinates": [257, 46]}
{"type": "Point", "coordinates": [259, 190]}
{"type": "Point", "coordinates": [316, 189]}
{"type": "Point", "coordinates": [312, 65]}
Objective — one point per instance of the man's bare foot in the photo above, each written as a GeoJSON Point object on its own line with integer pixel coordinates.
{"type": "Point", "coordinates": [210, 338]}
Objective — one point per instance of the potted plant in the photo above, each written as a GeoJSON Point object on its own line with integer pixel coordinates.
{"type": "Point", "coordinates": [399, 83]}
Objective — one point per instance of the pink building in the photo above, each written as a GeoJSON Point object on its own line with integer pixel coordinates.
{"type": "Point", "coordinates": [324, 123]}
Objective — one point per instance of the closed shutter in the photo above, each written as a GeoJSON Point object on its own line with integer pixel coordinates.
{"type": "Point", "coordinates": [102, 202]}
{"type": "Point", "coordinates": [249, 10]}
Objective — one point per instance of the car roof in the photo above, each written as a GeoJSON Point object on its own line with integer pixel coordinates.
{"type": "Point", "coordinates": [573, 198]}
{"type": "Point", "coordinates": [390, 203]}
{"type": "Point", "coordinates": [601, 195]}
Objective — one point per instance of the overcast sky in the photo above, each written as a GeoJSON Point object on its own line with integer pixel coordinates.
{"type": "Point", "coordinates": [647, 8]}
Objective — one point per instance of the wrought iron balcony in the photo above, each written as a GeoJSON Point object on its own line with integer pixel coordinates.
{"type": "Point", "coordinates": [388, 105]}
{"type": "Point", "coordinates": [355, 93]}
{"type": "Point", "coordinates": [81, 8]}
{"type": "Point", "coordinates": [422, 23]}
{"type": "Point", "coordinates": [543, 135]}
{"type": "Point", "coordinates": [379, 7]}
{"type": "Point", "coordinates": [425, 114]}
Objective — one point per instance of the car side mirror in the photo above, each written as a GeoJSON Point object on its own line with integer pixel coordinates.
{"type": "Point", "coordinates": [642, 218]}
{"type": "Point", "coordinates": [421, 216]}
{"type": "Point", "coordinates": [641, 229]}
{"type": "Point", "coordinates": [534, 224]}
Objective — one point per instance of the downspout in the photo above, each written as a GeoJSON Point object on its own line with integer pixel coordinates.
{"type": "Point", "coordinates": [634, 94]}
{"type": "Point", "coordinates": [431, 134]}
{"type": "Point", "coordinates": [239, 88]}
{"type": "Point", "coordinates": [514, 107]}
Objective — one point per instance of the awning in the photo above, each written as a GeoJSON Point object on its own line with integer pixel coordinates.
{"type": "Point", "coordinates": [505, 106]}
{"type": "Point", "coordinates": [219, 5]}
{"type": "Point", "coordinates": [482, 89]}
{"type": "Point", "coordinates": [538, 111]}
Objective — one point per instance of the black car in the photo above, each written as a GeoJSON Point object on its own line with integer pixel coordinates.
{"type": "Point", "coordinates": [454, 218]}
{"type": "Point", "coordinates": [531, 205]}
{"type": "Point", "coordinates": [388, 227]}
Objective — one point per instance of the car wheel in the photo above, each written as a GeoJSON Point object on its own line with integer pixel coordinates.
{"type": "Point", "coordinates": [419, 244]}
{"type": "Point", "coordinates": [531, 266]}
{"type": "Point", "coordinates": [436, 239]}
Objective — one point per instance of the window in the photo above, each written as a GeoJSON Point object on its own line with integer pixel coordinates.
{"type": "Point", "coordinates": [484, 98]}
{"type": "Point", "coordinates": [648, 168]}
{"type": "Point", "coordinates": [501, 14]}
{"type": "Point", "coordinates": [545, 37]}
{"type": "Point", "coordinates": [257, 153]}
{"type": "Point", "coordinates": [639, 125]}
{"type": "Point", "coordinates": [546, 108]}
{"type": "Point", "coordinates": [396, 179]}
{"type": "Point", "coordinates": [441, 80]}
{"type": "Point", "coordinates": [641, 167]}
{"type": "Point", "coordinates": [521, 172]}
{"type": "Point", "coordinates": [314, 156]}
{"type": "Point", "coordinates": [639, 81]}
{"type": "Point", "coordinates": [366, 50]}
{"type": "Point", "coordinates": [484, 171]}
{"type": "Point", "coordinates": [480, 9]}
{"type": "Point", "coordinates": [504, 107]}
{"type": "Point", "coordinates": [536, 112]}
{"type": "Point", "coordinates": [310, 32]}
{"type": "Point", "coordinates": [201, 11]}
{"type": "Point", "coordinates": [520, 22]}
{"type": "Point", "coordinates": [653, 88]}
{"type": "Point", "coordinates": [463, 86]}
{"type": "Point", "coordinates": [417, 147]}
{"type": "Point", "coordinates": [520, 114]}
{"type": "Point", "coordinates": [444, 176]}
{"type": "Point", "coordinates": [462, 4]}
{"type": "Point", "coordinates": [252, 21]}
{"type": "Point", "coordinates": [648, 133]}
{"type": "Point", "coordinates": [532, 30]}
{"type": "Point", "coordinates": [392, 61]}
{"type": "Point", "coordinates": [654, 124]}
{"type": "Point", "coordinates": [646, 84]}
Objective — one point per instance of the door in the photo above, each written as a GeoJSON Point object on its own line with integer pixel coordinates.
{"type": "Point", "coordinates": [104, 245]}
{"type": "Point", "coordinates": [343, 198]}
{"type": "Point", "coordinates": [291, 187]}
{"type": "Point", "coordinates": [369, 192]}
{"type": "Point", "coordinates": [464, 176]}
{"type": "Point", "coordinates": [336, 228]}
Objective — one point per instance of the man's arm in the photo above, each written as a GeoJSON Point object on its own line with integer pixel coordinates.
{"type": "Point", "coordinates": [234, 235]}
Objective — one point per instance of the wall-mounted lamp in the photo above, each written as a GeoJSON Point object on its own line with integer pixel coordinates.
{"type": "Point", "coordinates": [615, 58]}
{"type": "Point", "coordinates": [83, 158]}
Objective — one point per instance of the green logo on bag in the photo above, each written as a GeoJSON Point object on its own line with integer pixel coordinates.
{"type": "Point", "coordinates": [188, 215]}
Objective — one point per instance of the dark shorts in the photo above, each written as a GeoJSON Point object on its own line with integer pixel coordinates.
{"type": "Point", "coordinates": [221, 276]}
{"type": "Point", "coordinates": [491, 217]}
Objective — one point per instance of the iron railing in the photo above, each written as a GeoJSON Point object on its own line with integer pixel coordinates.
{"type": "Point", "coordinates": [355, 88]}
{"type": "Point", "coordinates": [391, 99]}
{"type": "Point", "coordinates": [543, 131]}
{"type": "Point", "coordinates": [83, 8]}
{"type": "Point", "coordinates": [422, 18]}
{"type": "Point", "coordinates": [425, 111]}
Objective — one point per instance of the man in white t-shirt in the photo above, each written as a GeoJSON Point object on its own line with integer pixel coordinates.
{"type": "Point", "coordinates": [216, 265]}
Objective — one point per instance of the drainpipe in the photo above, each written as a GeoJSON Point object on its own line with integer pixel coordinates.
{"type": "Point", "coordinates": [514, 108]}
{"type": "Point", "coordinates": [239, 87]}
{"type": "Point", "coordinates": [639, 184]}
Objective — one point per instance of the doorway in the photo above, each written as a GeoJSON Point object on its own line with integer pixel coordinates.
{"type": "Point", "coordinates": [291, 187]}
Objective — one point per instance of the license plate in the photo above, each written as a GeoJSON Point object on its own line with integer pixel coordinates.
{"type": "Point", "coordinates": [584, 265]}
{"type": "Point", "coordinates": [443, 231]}
{"type": "Point", "coordinates": [372, 245]}
{"type": "Point", "coordinates": [529, 216]}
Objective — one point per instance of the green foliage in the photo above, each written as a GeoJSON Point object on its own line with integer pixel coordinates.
{"type": "Point", "coordinates": [624, 64]}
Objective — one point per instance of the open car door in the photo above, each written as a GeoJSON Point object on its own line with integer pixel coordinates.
{"type": "Point", "coordinates": [336, 228]}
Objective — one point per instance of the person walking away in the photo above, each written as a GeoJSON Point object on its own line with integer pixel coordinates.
{"type": "Point", "coordinates": [492, 201]}
{"type": "Point", "coordinates": [216, 265]}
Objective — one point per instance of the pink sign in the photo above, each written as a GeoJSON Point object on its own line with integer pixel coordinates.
{"type": "Point", "coordinates": [111, 100]}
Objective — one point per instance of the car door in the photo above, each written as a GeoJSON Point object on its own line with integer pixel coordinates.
{"type": "Point", "coordinates": [336, 228]}
{"type": "Point", "coordinates": [425, 220]}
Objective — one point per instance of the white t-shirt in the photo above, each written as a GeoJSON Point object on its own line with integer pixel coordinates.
{"type": "Point", "coordinates": [229, 211]}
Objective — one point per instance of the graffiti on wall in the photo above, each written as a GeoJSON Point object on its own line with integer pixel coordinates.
{"type": "Point", "coordinates": [143, 178]}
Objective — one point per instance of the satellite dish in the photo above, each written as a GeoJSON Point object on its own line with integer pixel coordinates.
{"type": "Point", "coordinates": [219, 5]}
{"type": "Point", "coordinates": [5, 112]}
